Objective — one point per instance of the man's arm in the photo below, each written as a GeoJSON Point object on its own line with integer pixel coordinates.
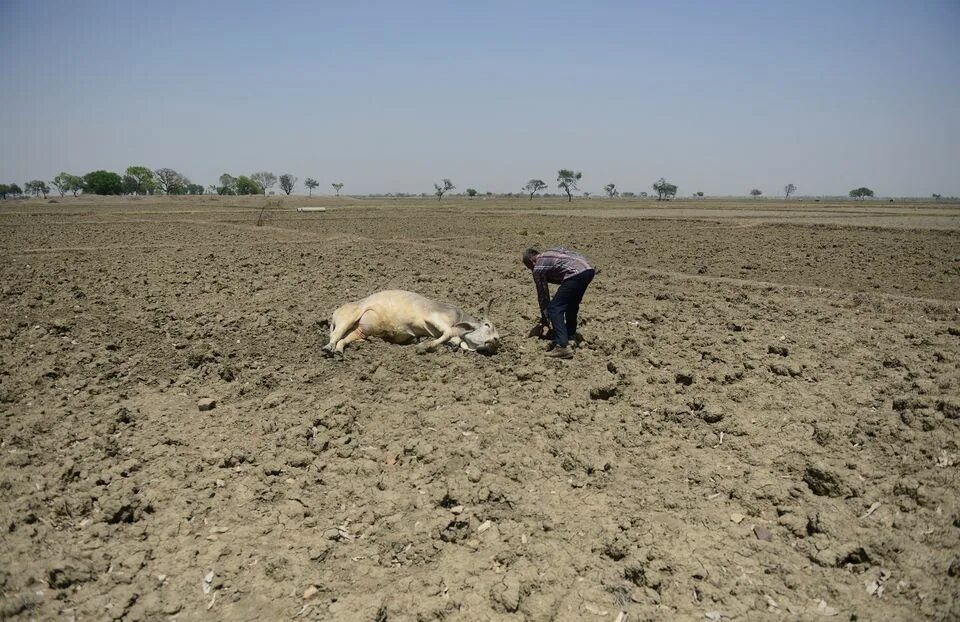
{"type": "Point", "coordinates": [543, 294]}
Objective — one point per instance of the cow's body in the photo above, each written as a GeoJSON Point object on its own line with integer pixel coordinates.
{"type": "Point", "coordinates": [401, 317]}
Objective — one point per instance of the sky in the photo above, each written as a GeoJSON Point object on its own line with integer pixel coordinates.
{"type": "Point", "coordinates": [718, 97]}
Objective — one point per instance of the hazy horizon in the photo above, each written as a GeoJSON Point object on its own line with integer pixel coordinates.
{"type": "Point", "coordinates": [389, 97]}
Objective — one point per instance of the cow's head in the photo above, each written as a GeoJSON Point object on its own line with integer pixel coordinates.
{"type": "Point", "coordinates": [481, 335]}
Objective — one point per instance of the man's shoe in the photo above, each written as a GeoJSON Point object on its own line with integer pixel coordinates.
{"type": "Point", "coordinates": [561, 352]}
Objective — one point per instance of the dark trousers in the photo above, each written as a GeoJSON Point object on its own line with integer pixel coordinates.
{"type": "Point", "coordinates": [565, 305]}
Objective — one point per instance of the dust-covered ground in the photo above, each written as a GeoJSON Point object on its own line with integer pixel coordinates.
{"type": "Point", "coordinates": [762, 423]}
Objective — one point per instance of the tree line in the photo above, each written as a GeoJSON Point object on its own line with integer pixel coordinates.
{"type": "Point", "coordinates": [141, 180]}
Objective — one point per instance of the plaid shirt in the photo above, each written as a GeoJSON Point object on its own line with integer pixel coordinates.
{"type": "Point", "coordinates": [556, 265]}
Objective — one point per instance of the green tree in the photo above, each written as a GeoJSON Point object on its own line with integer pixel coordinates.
{"type": "Point", "coordinates": [534, 186]}
{"type": "Point", "coordinates": [65, 182]}
{"type": "Point", "coordinates": [861, 193]}
{"type": "Point", "coordinates": [144, 180]}
{"type": "Point", "coordinates": [700, 194]}
{"type": "Point", "coordinates": [611, 190]}
{"type": "Point", "coordinates": [471, 192]}
{"type": "Point", "coordinates": [567, 181]}
{"type": "Point", "coordinates": [287, 183]}
{"type": "Point", "coordinates": [788, 190]}
{"type": "Point", "coordinates": [245, 186]}
{"type": "Point", "coordinates": [36, 187]}
{"type": "Point", "coordinates": [337, 186]}
{"type": "Point", "coordinates": [129, 184]}
{"type": "Point", "coordinates": [228, 185]}
{"type": "Point", "coordinates": [311, 183]}
{"type": "Point", "coordinates": [264, 179]}
{"type": "Point", "coordinates": [194, 189]}
{"type": "Point", "coordinates": [15, 190]}
{"type": "Point", "coordinates": [756, 193]}
{"type": "Point", "coordinates": [444, 186]}
{"type": "Point", "coordinates": [102, 182]}
{"type": "Point", "coordinates": [664, 189]}
{"type": "Point", "coordinates": [4, 190]}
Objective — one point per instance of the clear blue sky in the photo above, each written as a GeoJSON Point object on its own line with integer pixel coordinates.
{"type": "Point", "coordinates": [720, 97]}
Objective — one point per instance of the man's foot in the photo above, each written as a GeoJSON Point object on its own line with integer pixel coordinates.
{"type": "Point", "coordinates": [561, 352]}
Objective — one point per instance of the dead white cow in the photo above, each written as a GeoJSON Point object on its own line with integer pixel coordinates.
{"type": "Point", "coordinates": [399, 316]}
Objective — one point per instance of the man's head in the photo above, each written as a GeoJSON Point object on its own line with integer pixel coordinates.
{"type": "Point", "coordinates": [530, 257]}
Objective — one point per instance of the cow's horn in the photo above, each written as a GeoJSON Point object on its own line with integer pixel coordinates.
{"type": "Point", "coordinates": [486, 310]}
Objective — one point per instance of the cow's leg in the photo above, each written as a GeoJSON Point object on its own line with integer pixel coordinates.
{"type": "Point", "coordinates": [448, 333]}
{"type": "Point", "coordinates": [364, 328]}
{"type": "Point", "coordinates": [343, 322]}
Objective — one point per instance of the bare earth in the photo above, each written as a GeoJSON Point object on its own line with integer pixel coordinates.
{"type": "Point", "coordinates": [763, 423]}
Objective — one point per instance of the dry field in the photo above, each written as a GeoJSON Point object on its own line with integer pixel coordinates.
{"type": "Point", "coordinates": [763, 423]}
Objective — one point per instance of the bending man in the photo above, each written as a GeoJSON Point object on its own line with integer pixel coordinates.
{"type": "Point", "coordinates": [573, 273]}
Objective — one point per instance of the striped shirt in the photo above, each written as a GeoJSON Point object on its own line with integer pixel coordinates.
{"type": "Point", "coordinates": [556, 265]}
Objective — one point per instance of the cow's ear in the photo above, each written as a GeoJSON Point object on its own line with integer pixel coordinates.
{"type": "Point", "coordinates": [469, 326]}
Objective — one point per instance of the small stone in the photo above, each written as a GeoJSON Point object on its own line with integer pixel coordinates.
{"type": "Point", "coordinates": [954, 569]}
{"type": "Point", "coordinates": [824, 483]}
{"type": "Point", "coordinates": [457, 509]}
{"type": "Point", "coordinates": [684, 378]}
{"type": "Point", "coordinates": [473, 474]}
{"type": "Point", "coordinates": [737, 517]}
{"type": "Point", "coordinates": [603, 392]}
{"type": "Point", "coordinates": [712, 416]}
{"type": "Point", "coordinates": [207, 403]}
{"type": "Point", "coordinates": [310, 592]}
{"type": "Point", "coordinates": [763, 533]}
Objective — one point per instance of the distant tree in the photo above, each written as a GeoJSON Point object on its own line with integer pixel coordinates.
{"type": "Point", "coordinates": [567, 181]}
{"type": "Point", "coordinates": [937, 196]}
{"type": "Point", "coordinates": [471, 192]}
{"type": "Point", "coordinates": [756, 193]}
{"type": "Point", "coordinates": [861, 193]}
{"type": "Point", "coordinates": [15, 190]}
{"type": "Point", "coordinates": [145, 181]}
{"type": "Point", "coordinates": [228, 185]}
{"type": "Point", "coordinates": [643, 195]}
{"type": "Point", "coordinates": [194, 189]}
{"type": "Point", "coordinates": [586, 195]}
{"type": "Point", "coordinates": [102, 182]}
{"type": "Point", "coordinates": [444, 186]}
{"type": "Point", "coordinates": [4, 190]}
{"type": "Point", "coordinates": [628, 195]}
{"type": "Point", "coordinates": [611, 190]}
{"type": "Point", "coordinates": [128, 184]}
{"type": "Point", "coordinates": [60, 182]}
{"type": "Point", "coordinates": [700, 194]}
{"type": "Point", "coordinates": [265, 180]}
{"type": "Point", "coordinates": [788, 190]}
{"type": "Point", "coordinates": [311, 183]}
{"type": "Point", "coordinates": [287, 183]}
{"type": "Point", "coordinates": [36, 187]}
{"type": "Point", "coordinates": [664, 189]}
{"type": "Point", "coordinates": [246, 186]}
{"type": "Point", "coordinates": [534, 186]}
{"type": "Point", "coordinates": [170, 181]}
{"type": "Point", "coordinates": [212, 189]}
{"type": "Point", "coordinates": [337, 186]}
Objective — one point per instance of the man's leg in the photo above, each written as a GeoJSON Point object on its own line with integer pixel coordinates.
{"type": "Point", "coordinates": [557, 310]}
{"type": "Point", "coordinates": [573, 306]}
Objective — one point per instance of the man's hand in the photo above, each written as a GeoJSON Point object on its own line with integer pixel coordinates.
{"type": "Point", "coordinates": [541, 330]}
